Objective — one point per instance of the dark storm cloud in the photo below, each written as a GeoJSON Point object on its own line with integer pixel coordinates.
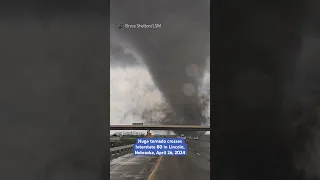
{"type": "Point", "coordinates": [263, 109]}
{"type": "Point", "coordinates": [54, 87]}
{"type": "Point", "coordinates": [180, 43]}
{"type": "Point", "coordinates": [121, 57]}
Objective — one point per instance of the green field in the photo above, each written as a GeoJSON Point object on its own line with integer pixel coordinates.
{"type": "Point", "coordinates": [125, 141]}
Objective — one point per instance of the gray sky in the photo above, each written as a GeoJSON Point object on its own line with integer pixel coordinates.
{"type": "Point", "coordinates": [174, 55]}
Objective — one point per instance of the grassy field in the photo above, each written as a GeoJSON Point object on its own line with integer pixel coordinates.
{"type": "Point", "coordinates": [125, 141]}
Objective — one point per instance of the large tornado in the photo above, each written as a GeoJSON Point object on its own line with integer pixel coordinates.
{"type": "Point", "coordinates": [176, 53]}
